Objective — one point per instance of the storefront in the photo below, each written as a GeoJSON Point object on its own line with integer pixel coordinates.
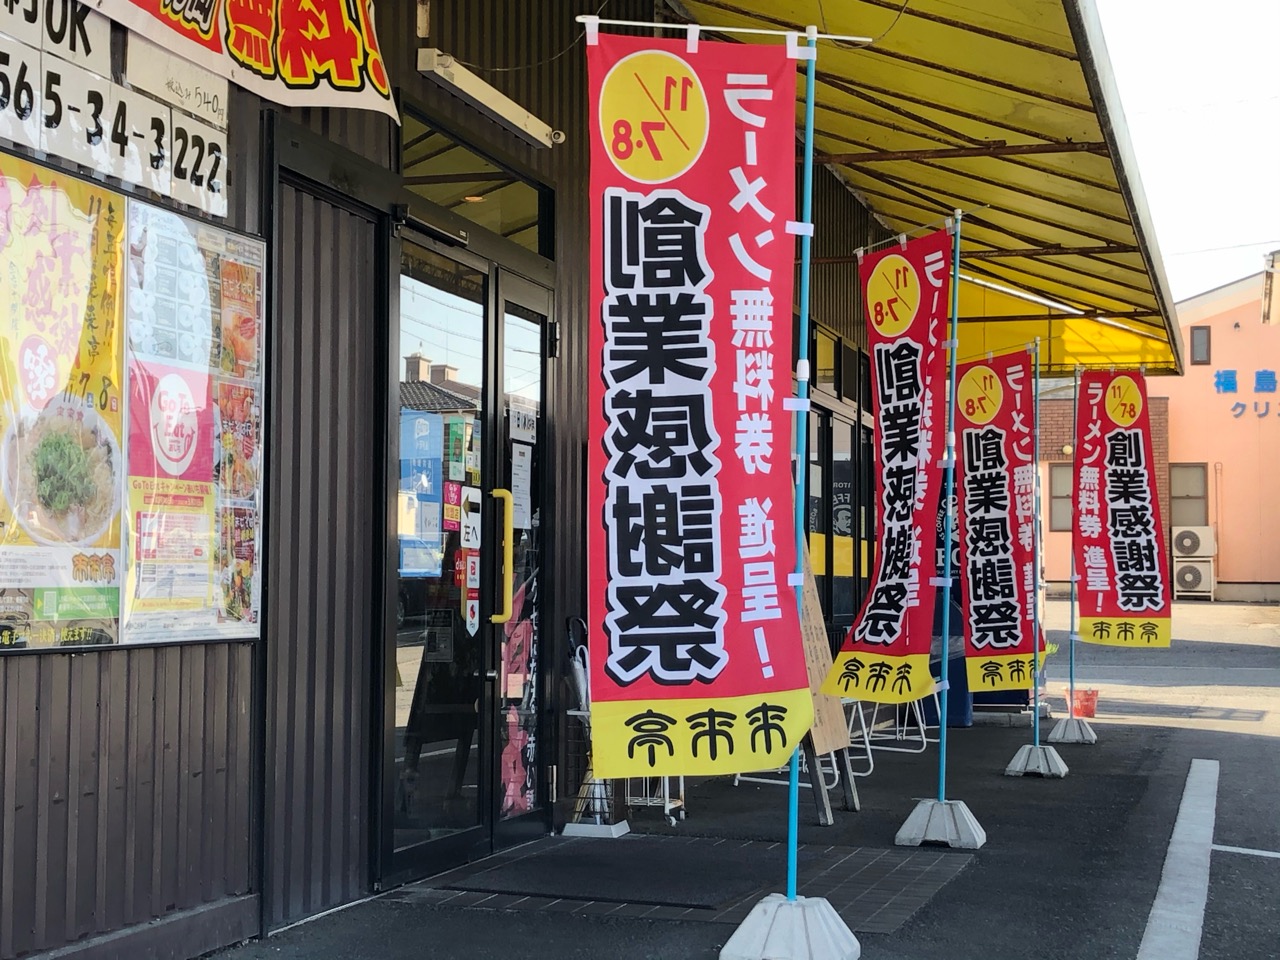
{"type": "Point", "coordinates": [316, 645]}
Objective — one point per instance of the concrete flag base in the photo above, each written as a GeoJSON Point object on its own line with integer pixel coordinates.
{"type": "Point", "coordinates": [1033, 761]}
{"type": "Point", "coordinates": [942, 821]}
{"type": "Point", "coordinates": [598, 831]}
{"type": "Point", "coordinates": [1073, 730]}
{"type": "Point", "coordinates": [806, 928]}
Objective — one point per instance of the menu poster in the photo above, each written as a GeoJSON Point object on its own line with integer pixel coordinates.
{"type": "Point", "coordinates": [236, 467]}
{"type": "Point", "coordinates": [61, 409]}
{"type": "Point", "coordinates": [170, 495]}
{"type": "Point", "coordinates": [194, 323]}
{"type": "Point", "coordinates": [238, 567]}
{"type": "Point", "coordinates": [240, 317]}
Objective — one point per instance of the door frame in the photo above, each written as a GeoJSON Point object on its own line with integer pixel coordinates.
{"type": "Point", "coordinates": [507, 266]}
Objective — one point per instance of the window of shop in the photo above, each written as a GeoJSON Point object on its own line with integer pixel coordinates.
{"type": "Point", "coordinates": [1189, 494]}
{"type": "Point", "coordinates": [131, 413]}
{"type": "Point", "coordinates": [451, 175]}
{"type": "Point", "coordinates": [1060, 491]}
{"type": "Point", "coordinates": [827, 348]}
{"type": "Point", "coordinates": [1200, 345]}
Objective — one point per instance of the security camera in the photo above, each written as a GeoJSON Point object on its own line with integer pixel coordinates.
{"type": "Point", "coordinates": [557, 136]}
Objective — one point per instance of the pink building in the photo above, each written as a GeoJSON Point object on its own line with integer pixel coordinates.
{"type": "Point", "coordinates": [1223, 441]}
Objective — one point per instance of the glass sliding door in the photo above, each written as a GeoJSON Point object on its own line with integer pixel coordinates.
{"type": "Point", "coordinates": [463, 739]}
{"type": "Point", "coordinates": [439, 659]}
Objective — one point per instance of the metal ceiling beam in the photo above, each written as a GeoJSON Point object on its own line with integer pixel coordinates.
{"type": "Point", "coordinates": [1097, 315]}
{"type": "Point", "coordinates": [1022, 252]}
{"type": "Point", "coordinates": [909, 11]}
{"type": "Point", "coordinates": [997, 149]}
{"type": "Point", "coordinates": [1053, 251]}
{"type": "Point", "coordinates": [756, 17]}
{"type": "Point", "coordinates": [475, 176]}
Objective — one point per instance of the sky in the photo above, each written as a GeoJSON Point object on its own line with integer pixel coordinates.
{"type": "Point", "coordinates": [1200, 88]}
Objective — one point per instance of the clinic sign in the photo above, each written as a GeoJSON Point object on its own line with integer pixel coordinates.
{"type": "Point", "coordinates": [697, 664]}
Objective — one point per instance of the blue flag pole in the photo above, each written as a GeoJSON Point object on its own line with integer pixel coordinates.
{"type": "Point", "coordinates": [1036, 659]}
{"type": "Point", "coordinates": [942, 820]}
{"type": "Point", "coordinates": [1073, 729]}
{"type": "Point", "coordinates": [953, 350]}
{"type": "Point", "coordinates": [1035, 758]}
{"type": "Point", "coordinates": [802, 428]}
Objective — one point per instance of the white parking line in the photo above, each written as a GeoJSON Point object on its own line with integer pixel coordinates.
{"type": "Point", "coordinates": [1177, 915]}
{"type": "Point", "coordinates": [1248, 851]}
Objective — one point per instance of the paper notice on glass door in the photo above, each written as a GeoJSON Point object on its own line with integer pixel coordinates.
{"type": "Point", "coordinates": [521, 473]}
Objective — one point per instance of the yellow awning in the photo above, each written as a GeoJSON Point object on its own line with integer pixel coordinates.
{"type": "Point", "coordinates": [1008, 111]}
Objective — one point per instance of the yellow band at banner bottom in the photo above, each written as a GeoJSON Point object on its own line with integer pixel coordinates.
{"type": "Point", "coordinates": [710, 736]}
{"type": "Point", "coordinates": [865, 675]}
{"type": "Point", "coordinates": [1127, 631]}
{"type": "Point", "coordinates": [1000, 672]}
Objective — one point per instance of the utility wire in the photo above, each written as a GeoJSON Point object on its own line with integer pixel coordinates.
{"type": "Point", "coordinates": [539, 63]}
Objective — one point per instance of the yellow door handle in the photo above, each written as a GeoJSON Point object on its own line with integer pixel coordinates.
{"type": "Point", "coordinates": [508, 554]}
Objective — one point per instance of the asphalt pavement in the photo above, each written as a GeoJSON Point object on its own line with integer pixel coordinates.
{"type": "Point", "coordinates": [1071, 868]}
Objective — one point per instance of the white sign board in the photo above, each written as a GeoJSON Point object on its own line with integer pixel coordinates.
{"type": "Point", "coordinates": [177, 82]}
{"type": "Point", "coordinates": [56, 95]}
{"type": "Point", "coordinates": [471, 518]}
{"type": "Point", "coordinates": [63, 27]}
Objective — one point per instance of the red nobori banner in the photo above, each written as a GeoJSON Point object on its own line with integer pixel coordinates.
{"type": "Point", "coordinates": [906, 294]}
{"type": "Point", "coordinates": [300, 53]}
{"type": "Point", "coordinates": [996, 494]}
{"type": "Point", "coordinates": [699, 666]}
{"type": "Point", "coordinates": [1117, 535]}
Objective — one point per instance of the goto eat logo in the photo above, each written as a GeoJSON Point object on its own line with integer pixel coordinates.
{"type": "Point", "coordinates": [174, 424]}
{"type": "Point", "coordinates": [653, 116]}
{"type": "Point", "coordinates": [1124, 401]}
{"type": "Point", "coordinates": [893, 295]}
{"type": "Point", "coordinates": [980, 395]}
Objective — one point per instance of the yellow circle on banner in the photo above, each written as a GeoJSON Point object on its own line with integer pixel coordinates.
{"type": "Point", "coordinates": [893, 295]}
{"type": "Point", "coordinates": [1124, 401]}
{"type": "Point", "coordinates": [653, 116]}
{"type": "Point", "coordinates": [980, 395]}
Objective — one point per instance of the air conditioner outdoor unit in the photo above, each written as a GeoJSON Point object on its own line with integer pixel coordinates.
{"type": "Point", "coordinates": [1194, 542]}
{"type": "Point", "coordinates": [1193, 578]}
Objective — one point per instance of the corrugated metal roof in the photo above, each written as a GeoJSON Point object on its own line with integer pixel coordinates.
{"type": "Point", "coordinates": [1006, 110]}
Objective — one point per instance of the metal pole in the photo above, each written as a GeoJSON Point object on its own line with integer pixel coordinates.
{"type": "Point", "coordinates": [802, 430]}
{"type": "Point", "coordinates": [1035, 555]}
{"type": "Point", "coordinates": [1071, 636]}
{"type": "Point", "coordinates": [950, 461]}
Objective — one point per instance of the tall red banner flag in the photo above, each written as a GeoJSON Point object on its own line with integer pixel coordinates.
{"type": "Point", "coordinates": [697, 664]}
{"type": "Point", "coordinates": [906, 293]}
{"type": "Point", "coordinates": [1117, 535]}
{"type": "Point", "coordinates": [995, 489]}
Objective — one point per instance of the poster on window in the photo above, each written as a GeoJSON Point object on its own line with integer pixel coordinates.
{"type": "Point", "coordinates": [998, 538]}
{"type": "Point", "coordinates": [421, 494]}
{"type": "Point", "coordinates": [193, 506]}
{"type": "Point", "coordinates": [61, 408]}
{"type": "Point", "coordinates": [906, 295]}
{"type": "Point", "coordinates": [300, 53]}
{"type": "Point", "coordinates": [1117, 534]}
{"type": "Point", "coordinates": [697, 665]}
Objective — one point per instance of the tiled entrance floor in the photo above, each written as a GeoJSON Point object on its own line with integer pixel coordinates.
{"type": "Point", "coordinates": [693, 878]}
